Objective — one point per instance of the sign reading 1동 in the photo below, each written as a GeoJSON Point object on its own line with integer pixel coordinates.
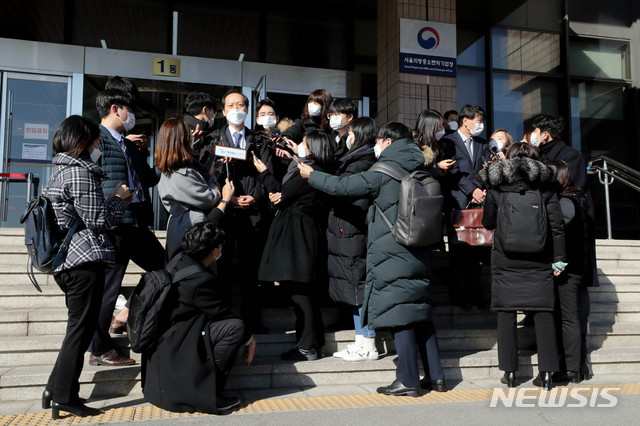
{"type": "Point", "coordinates": [168, 67]}
{"type": "Point", "coordinates": [427, 47]}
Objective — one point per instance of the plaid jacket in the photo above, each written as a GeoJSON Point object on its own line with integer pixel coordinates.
{"type": "Point", "coordinates": [74, 190]}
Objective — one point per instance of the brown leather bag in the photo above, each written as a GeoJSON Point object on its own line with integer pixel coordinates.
{"type": "Point", "coordinates": [468, 229]}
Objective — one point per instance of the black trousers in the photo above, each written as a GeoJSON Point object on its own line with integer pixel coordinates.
{"type": "Point", "coordinates": [131, 243]}
{"type": "Point", "coordinates": [411, 340]}
{"type": "Point", "coordinates": [568, 328]}
{"type": "Point", "coordinates": [465, 264]}
{"type": "Point", "coordinates": [82, 287]}
{"type": "Point", "coordinates": [227, 336]}
{"type": "Point", "coordinates": [309, 325]}
{"type": "Point", "coordinates": [545, 341]}
{"type": "Point", "coordinates": [240, 263]}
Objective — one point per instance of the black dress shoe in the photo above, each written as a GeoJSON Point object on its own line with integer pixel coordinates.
{"type": "Point", "coordinates": [567, 376]}
{"type": "Point", "coordinates": [509, 379]}
{"type": "Point", "coordinates": [396, 388]}
{"type": "Point", "coordinates": [543, 380]}
{"type": "Point", "coordinates": [47, 397]}
{"type": "Point", "coordinates": [78, 409]}
{"type": "Point", "coordinates": [435, 385]}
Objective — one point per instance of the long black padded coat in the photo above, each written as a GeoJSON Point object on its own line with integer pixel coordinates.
{"type": "Point", "coordinates": [347, 235]}
{"type": "Point", "coordinates": [522, 282]}
{"type": "Point", "coordinates": [397, 286]}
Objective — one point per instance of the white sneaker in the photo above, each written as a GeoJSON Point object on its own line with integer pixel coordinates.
{"type": "Point", "coordinates": [361, 354]}
{"type": "Point", "coordinates": [351, 347]}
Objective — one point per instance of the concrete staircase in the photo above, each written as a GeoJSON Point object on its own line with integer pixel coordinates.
{"type": "Point", "coordinates": [32, 325]}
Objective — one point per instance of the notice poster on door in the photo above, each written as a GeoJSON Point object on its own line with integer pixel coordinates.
{"type": "Point", "coordinates": [34, 151]}
{"type": "Point", "coordinates": [36, 131]}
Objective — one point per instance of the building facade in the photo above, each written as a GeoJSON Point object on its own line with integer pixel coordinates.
{"type": "Point", "coordinates": [576, 58]}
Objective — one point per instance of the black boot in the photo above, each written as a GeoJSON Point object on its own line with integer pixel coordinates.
{"type": "Point", "coordinates": [543, 380]}
{"type": "Point", "coordinates": [509, 379]}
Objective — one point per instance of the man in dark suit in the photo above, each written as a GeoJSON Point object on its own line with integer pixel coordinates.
{"type": "Point", "coordinates": [463, 190]}
{"type": "Point", "coordinates": [123, 161]}
{"type": "Point", "coordinates": [247, 220]}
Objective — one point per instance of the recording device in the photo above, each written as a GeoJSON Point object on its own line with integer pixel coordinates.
{"type": "Point", "coordinates": [273, 140]}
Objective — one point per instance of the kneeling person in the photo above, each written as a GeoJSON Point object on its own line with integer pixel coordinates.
{"type": "Point", "coordinates": [188, 368]}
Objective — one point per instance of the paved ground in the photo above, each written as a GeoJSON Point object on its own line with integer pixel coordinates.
{"type": "Point", "coordinates": [467, 402]}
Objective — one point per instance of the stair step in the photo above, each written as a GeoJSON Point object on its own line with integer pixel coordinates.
{"type": "Point", "coordinates": [27, 382]}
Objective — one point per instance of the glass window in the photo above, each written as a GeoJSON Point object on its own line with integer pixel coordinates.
{"type": "Point", "coordinates": [472, 45]}
{"type": "Point", "coordinates": [597, 118]}
{"type": "Point", "coordinates": [599, 58]}
{"type": "Point", "coordinates": [518, 97]}
{"type": "Point", "coordinates": [472, 90]}
{"type": "Point", "coordinates": [525, 50]}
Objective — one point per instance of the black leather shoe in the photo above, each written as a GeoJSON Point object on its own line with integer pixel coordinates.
{"type": "Point", "coordinates": [396, 388]}
{"type": "Point", "coordinates": [435, 385]}
{"type": "Point", "coordinates": [47, 397]}
{"type": "Point", "coordinates": [78, 409]}
{"type": "Point", "coordinates": [509, 379]}
{"type": "Point", "coordinates": [543, 380]}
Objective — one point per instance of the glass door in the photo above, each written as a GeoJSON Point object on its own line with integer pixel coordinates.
{"type": "Point", "coordinates": [32, 106]}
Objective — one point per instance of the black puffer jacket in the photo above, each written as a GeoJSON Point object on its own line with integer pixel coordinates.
{"type": "Point", "coordinates": [347, 235]}
{"type": "Point", "coordinates": [522, 282]}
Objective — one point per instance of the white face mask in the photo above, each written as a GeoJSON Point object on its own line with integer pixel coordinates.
{"type": "Point", "coordinates": [236, 117]}
{"type": "Point", "coordinates": [496, 144]}
{"type": "Point", "coordinates": [439, 134]}
{"type": "Point", "coordinates": [301, 151]}
{"type": "Point", "coordinates": [130, 123]}
{"type": "Point", "coordinates": [350, 142]}
{"type": "Point", "coordinates": [95, 155]}
{"type": "Point", "coordinates": [535, 141]}
{"type": "Point", "coordinates": [267, 121]}
{"type": "Point", "coordinates": [336, 122]}
{"type": "Point", "coordinates": [377, 150]}
{"type": "Point", "coordinates": [477, 130]}
{"type": "Point", "coordinates": [453, 125]}
{"type": "Point", "coordinates": [314, 109]}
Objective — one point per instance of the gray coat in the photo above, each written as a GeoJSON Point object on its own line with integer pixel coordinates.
{"type": "Point", "coordinates": [397, 286]}
{"type": "Point", "coordinates": [188, 197]}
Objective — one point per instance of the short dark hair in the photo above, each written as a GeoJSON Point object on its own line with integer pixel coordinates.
{"type": "Point", "coordinates": [365, 131]}
{"type": "Point", "coordinates": [344, 106]}
{"type": "Point", "coordinates": [195, 101]}
{"type": "Point", "coordinates": [320, 146]}
{"type": "Point", "coordinates": [395, 130]}
{"type": "Point", "coordinates": [201, 239]}
{"type": "Point", "coordinates": [124, 84]}
{"type": "Point", "coordinates": [552, 124]}
{"type": "Point", "coordinates": [109, 97]}
{"type": "Point", "coordinates": [522, 150]}
{"type": "Point", "coordinates": [232, 91]}
{"type": "Point", "coordinates": [448, 113]}
{"type": "Point", "coordinates": [469, 112]}
{"type": "Point", "coordinates": [267, 102]}
{"type": "Point", "coordinates": [74, 135]}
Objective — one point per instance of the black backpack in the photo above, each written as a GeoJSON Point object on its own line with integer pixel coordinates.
{"type": "Point", "coordinates": [146, 310]}
{"type": "Point", "coordinates": [46, 245]}
{"type": "Point", "coordinates": [522, 223]}
{"type": "Point", "coordinates": [420, 207]}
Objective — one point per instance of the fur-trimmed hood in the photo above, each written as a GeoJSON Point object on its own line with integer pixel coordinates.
{"type": "Point", "coordinates": [429, 155]}
{"type": "Point", "coordinates": [517, 172]}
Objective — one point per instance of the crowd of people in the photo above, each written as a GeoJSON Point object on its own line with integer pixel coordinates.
{"type": "Point", "coordinates": [299, 211]}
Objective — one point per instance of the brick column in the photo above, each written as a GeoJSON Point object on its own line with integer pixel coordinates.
{"type": "Point", "coordinates": [402, 96]}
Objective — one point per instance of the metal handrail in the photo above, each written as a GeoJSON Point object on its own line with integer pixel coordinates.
{"type": "Point", "coordinates": [608, 172]}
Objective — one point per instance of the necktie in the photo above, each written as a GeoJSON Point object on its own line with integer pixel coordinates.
{"type": "Point", "coordinates": [236, 139]}
{"type": "Point", "coordinates": [469, 145]}
{"type": "Point", "coordinates": [136, 182]}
